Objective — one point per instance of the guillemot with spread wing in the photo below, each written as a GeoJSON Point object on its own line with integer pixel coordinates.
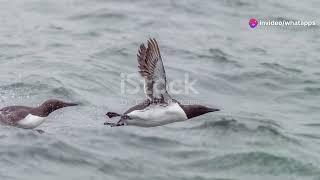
{"type": "Point", "coordinates": [159, 108]}
{"type": "Point", "coordinates": [30, 117]}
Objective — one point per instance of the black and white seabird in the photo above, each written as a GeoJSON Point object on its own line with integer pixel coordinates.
{"type": "Point", "coordinates": [159, 108]}
{"type": "Point", "coordinates": [30, 117]}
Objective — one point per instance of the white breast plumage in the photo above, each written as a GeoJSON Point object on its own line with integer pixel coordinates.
{"type": "Point", "coordinates": [157, 115]}
{"type": "Point", "coordinates": [30, 121]}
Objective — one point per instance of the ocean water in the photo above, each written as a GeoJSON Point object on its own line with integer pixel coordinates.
{"type": "Point", "coordinates": [266, 81]}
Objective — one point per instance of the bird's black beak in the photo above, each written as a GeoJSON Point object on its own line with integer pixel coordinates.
{"type": "Point", "coordinates": [213, 109]}
{"type": "Point", "coordinates": [71, 104]}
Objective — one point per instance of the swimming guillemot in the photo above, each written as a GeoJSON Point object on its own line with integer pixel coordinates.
{"type": "Point", "coordinates": [30, 117]}
{"type": "Point", "coordinates": [159, 108]}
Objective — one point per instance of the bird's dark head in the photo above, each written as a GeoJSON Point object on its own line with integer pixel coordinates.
{"type": "Point", "coordinates": [197, 110]}
{"type": "Point", "coordinates": [53, 104]}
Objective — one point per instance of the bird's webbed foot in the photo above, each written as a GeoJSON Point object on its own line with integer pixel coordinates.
{"type": "Point", "coordinates": [112, 114]}
{"type": "Point", "coordinates": [114, 124]}
{"type": "Point", "coordinates": [40, 131]}
{"type": "Point", "coordinates": [121, 122]}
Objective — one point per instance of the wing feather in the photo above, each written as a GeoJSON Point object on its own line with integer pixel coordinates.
{"type": "Point", "coordinates": [152, 69]}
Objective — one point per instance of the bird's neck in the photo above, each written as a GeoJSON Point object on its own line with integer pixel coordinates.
{"type": "Point", "coordinates": [42, 111]}
{"type": "Point", "coordinates": [190, 111]}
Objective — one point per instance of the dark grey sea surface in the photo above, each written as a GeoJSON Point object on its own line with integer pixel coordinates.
{"type": "Point", "coordinates": [266, 81]}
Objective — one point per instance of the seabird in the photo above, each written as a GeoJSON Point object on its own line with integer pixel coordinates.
{"type": "Point", "coordinates": [30, 117]}
{"type": "Point", "coordinates": [159, 108]}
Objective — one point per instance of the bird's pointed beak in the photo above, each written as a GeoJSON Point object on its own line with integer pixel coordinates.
{"type": "Point", "coordinates": [71, 104]}
{"type": "Point", "coordinates": [213, 109]}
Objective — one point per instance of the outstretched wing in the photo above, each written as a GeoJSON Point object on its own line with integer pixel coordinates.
{"type": "Point", "coordinates": [151, 68]}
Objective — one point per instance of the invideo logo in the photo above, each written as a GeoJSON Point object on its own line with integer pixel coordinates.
{"type": "Point", "coordinates": [253, 23]}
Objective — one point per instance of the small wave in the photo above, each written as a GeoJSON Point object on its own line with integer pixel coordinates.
{"type": "Point", "coordinates": [59, 45]}
{"type": "Point", "coordinates": [194, 8]}
{"type": "Point", "coordinates": [11, 46]}
{"type": "Point", "coordinates": [281, 68]}
{"type": "Point", "coordinates": [219, 56]}
{"type": "Point", "coordinates": [306, 135]}
{"type": "Point", "coordinates": [57, 151]}
{"type": "Point", "coordinates": [317, 73]}
{"type": "Point", "coordinates": [36, 87]}
{"type": "Point", "coordinates": [56, 27]}
{"type": "Point", "coordinates": [26, 93]}
{"type": "Point", "coordinates": [20, 90]}
{"type": "Point", "coordinates": [257, 163]}
{"type": "Point", "coordinates": [62, 91]}
{"type": "Point", "coordinates": [312, 90]}
{"type": "Point", "coordinates": [153, 141]}
{"type": "Point", "coordinates": [237, 3]}
{"type": "Point", "coordinates": [102, 14]}
{"type": "Point", "coordinates": [273, 86]}
{"type": "Point", "coordinates": [264, 129]}
{"type": "Point", "coordinates": [20, 85]}
{"type": "Point", "coordinates": [224, 123]}
{"type": "Point", "coordinates": [267, 77]}
{"type": "Point", "coordinates": [93, 83]}
{"type": "Point", "coordinates": [259, 50]}
{"type": "Point", "coordinates": [312, 124]}
{"type": "Point", "coordinates": [308, 81]}
{"type": "Point", "coordinates": [187, 154]}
